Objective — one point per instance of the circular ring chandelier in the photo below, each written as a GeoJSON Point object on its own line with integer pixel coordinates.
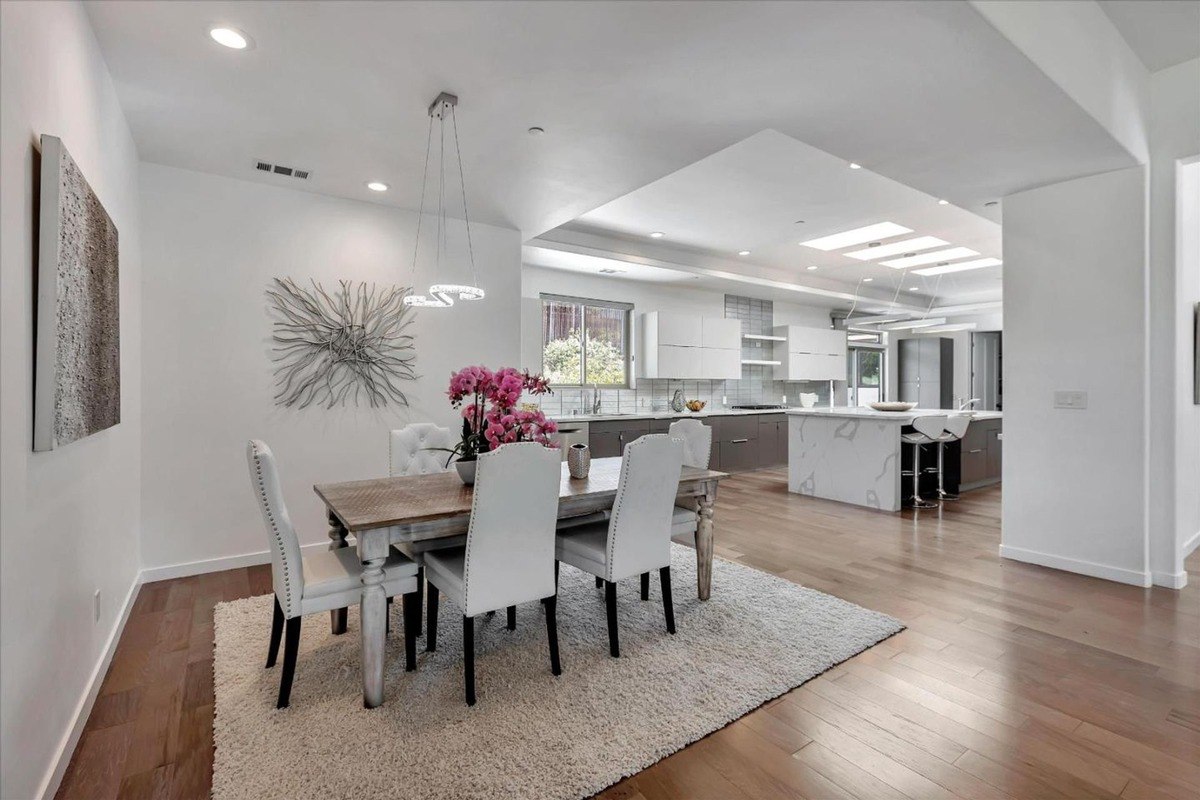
{"type": "Point", "coordinates": [443, 295]}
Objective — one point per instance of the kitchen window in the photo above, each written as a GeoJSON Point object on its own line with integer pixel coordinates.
{"type": "Point", "coordinates": [866, 365]}
{"type": "Point", "coordinates": [585, 342]}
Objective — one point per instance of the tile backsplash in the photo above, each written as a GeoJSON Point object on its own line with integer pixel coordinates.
{"type": "Point", "coordinates": [756, 385]}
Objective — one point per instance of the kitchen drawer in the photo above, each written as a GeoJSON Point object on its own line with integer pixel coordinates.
{"type": "Point", "coordinates": [637, 426]}
{"type": "Point", "coordinates": [976, 437]}
{"type": "Point", "coordinates": [605, 445]}
{"type": "Point", "coordinates": [736, 427]}
{"type": "Point", "coordinates": [770, 419]}
{"type": "Point", "coordinates": [660, 425]}
{"type": "Point", "coordinates": [737, 455]}
{"type": "Point", "coordinates": [974, 464]}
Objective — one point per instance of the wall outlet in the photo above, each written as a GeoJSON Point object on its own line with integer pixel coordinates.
{"type": "Point", "coordinates": [96, 606]}
{"type": "Point", "coordinates": [724, 400]}
{"type": "Point", "coordinates": [1074, 400]}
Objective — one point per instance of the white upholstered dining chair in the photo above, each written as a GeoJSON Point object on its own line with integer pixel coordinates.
{"type": "Point", "coordinates": [320, 582]}
{"type": "Point", "coordinates": [637, 538]}
{"type": "Point", "coordinates": [410, 453]}
{"type": "Point", "coordinates": [508, 558]}
{"type": "Point", "coordinates": [697, 452]}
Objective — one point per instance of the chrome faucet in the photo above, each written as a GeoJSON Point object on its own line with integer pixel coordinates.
{"type": "Point", "coordinates": [595, 399]}
{"type": "Point", "coordinates": [965, 404]}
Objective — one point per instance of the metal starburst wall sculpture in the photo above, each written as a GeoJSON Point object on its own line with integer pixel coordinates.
{"type": "Point", "coordinates": [340, 346]}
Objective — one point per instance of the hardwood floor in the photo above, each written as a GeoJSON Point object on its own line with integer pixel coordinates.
{"type": "Point", "coordinates": [1011, 680]}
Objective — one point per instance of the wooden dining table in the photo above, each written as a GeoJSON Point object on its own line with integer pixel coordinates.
{"type": "Point", "coordinates": [421, 509]}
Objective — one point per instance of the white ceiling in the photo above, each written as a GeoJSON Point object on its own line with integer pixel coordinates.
{"type": "Point", "coordinates": [1162, 33]}
{"type": "Point", "coordinates": [924, 92]}
{"type": "Point", "coordinates": [753, 195]}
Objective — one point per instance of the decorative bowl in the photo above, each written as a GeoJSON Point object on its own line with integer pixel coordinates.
{"type": "Point", "coordinates": [893, 406]}
{"type": "Point", "coordinates": [695, 405]}
{"type": "Point", "coordinates": [807, 399]}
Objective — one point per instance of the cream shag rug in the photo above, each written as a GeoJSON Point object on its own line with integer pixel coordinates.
{"type": "Point", "coordinates": [531, 735]}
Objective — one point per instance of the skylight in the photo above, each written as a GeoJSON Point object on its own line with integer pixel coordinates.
{"type": "Point", "coordinates": [880, 230]}
{"type": "Point", "coordinates": [962, 266]}
{"type": "Point", "coordinates": [907, 246]}
{"type": "Point", "coordinates": [930, 258]}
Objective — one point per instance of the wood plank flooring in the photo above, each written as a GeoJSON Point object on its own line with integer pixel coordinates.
{"type": "Point", "coordinates": [1012, 681]}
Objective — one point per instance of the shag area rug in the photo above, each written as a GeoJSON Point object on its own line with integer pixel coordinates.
{"type": "Point", "coordinates": [531, 735]}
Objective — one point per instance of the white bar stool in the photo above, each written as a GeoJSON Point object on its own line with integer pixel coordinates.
{"type": "Point", "coordinates": [956, 428]}
{"type": "Point", "coordinates": [926, 430]}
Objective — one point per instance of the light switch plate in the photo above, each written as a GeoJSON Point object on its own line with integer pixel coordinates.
{"type": "Point", "coordinates": [1073, 400]}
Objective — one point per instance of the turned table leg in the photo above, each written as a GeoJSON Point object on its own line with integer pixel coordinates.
{"type": "Point", "coordinates": [337, 540]}
{"type": "Point", "coordinates": [373, 550]}
{"type": "Point", "coordinates": [704, 541]}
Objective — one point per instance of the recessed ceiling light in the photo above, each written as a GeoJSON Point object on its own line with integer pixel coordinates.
{"type": "Point", "coordinates": [929, 258]}
{"type": "Point", "coordinates": [611, 271]}
{"type": "Point", "coordinates": [377, 186]}
{"type": "Point", "coordinates": [230, 37]}
{"type": "Point", "coordinates": [657, 235]}
{"type": "Point", "coordinates": [743, 252]}
{"type": "Point", "coordinates": [880, 230]}
{"type": "Point", "coordinates": [867, 280]}
{"type": "Point", "coordinates": [991, 202]}
{"type": "Point", "coordinates": [536, 131]}
{"type": "Point", "coordinates": [908, 246]}
{"type": "Point", "coordinates": [961, 266]}
{"type": "Point", "coordinates": [810, 269]}
{"type": "Point", "coordinates": [855, 166]}
{"type": "Point", "coordinates": [943, 202]}
{"type": "Point", "coordinates": [913, 289]}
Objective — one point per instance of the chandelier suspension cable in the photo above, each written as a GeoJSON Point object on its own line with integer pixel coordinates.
{"type": "Point", "coordinates": [462, 182]}
{"type": "Point", "coordinates": [421, 211]}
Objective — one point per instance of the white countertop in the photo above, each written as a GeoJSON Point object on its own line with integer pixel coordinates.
{"type": "Point", "coordinates": [719, 412]}
{"type": "Point", "coordinates": [903, 417]}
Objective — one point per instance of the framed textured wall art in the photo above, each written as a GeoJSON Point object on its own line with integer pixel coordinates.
{"type": "Point", "coordinates": [77, 379]}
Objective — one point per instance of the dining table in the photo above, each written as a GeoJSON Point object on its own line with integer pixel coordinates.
{"type": "Point", "coordinates": [419, 510]}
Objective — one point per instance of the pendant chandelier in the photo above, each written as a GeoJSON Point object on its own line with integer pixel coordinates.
{"type": "Point", "coordinates": [441, 295]}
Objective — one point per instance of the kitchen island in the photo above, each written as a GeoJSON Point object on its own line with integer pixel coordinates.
{"type": "Point", "coordinates": [855, 455]}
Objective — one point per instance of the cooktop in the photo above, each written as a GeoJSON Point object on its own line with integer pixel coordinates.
{"type": "Point", "coordinates": [759, 407]}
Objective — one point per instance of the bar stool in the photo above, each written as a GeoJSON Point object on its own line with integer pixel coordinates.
{"type": "Point", "coordinates": [926, 430]}
{"type": "Point", "coordinates": [956, 428]}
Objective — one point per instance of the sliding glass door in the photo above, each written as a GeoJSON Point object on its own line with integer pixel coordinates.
{"type": "Point", "coordinates": [865, 372]}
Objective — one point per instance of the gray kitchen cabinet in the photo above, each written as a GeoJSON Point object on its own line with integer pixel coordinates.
{"type": "Point", "coordinates": [981, 454]}
{"type": "Point", "coordinates": [735, 443]}
{"type": "Point", "coordinates": [608, 439]}
{"type": "Point", "coordinates": [926, 371]}
{"type": "Point", "coordinates": [772, 440]}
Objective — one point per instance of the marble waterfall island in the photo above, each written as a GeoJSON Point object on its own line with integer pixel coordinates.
{"type": "Point", "coordinates": [852, 455]}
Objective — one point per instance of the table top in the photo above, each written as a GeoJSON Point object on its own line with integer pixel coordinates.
{"type": "Point", "coordinates": [383, 502]}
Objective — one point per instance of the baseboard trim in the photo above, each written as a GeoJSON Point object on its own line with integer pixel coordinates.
{"type": "Point", "coordinates": [1191, 544]}
{"type": "Point", "coordinates": [1170, 580]}
{"type": "Point", "coordinates": [70, 740]}
{"type": "Point", "coordinates": [186, 569]}
{"type": "Point", "coordinates": [1080, 566]}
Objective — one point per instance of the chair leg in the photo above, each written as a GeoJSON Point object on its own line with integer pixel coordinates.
{"type": "Point", "coordinates": [276, 634]}
{"type": "Point", "coordinates": [387, 619]}
{"type": "Point", "coordinates": [599, 581]}
{"type": "Point", "coordinates": [645, 585]}
{"type": "Point", "coordinates": [610, 603]}
{"type": "Point", "coordinates": [664, 575]}
{"type": "Point", "coordinates": [431, 619]}
{"type": "Point", "coordinates": [337, 621]}
{"type": "Point", "coordinates": [469, 658]}
{"type": "Point", "coordinates": [512, 618]}
{"type": "Point", "coordinates": [545, 599]}
{"type": "Point", "coordinates": [291, 645]}
{"type": "Point", "coordinates": [411, 603]}
{"type": "Point", "coordinates": [552, 633]}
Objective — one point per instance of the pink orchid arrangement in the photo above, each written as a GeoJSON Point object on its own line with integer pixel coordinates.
{"type": "Point", "coordinates": [491, 418]}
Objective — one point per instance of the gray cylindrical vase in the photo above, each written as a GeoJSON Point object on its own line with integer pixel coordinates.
{"type": "Point", "coordinates": [579, 460]}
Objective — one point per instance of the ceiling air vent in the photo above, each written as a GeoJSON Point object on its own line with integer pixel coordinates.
{"type": "Point", "coordinates": [279, 169]}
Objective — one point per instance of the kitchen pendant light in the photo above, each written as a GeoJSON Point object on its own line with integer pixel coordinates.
{"type": "Point", "coordinates": [442, 295]}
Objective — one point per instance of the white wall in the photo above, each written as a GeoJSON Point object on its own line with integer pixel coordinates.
{"type": "Point", "coordinates": [211, 247]}
{"type": "Point", "coordinates": [1175, 430]}
{"type": "Point", "coordinates": [69, 518]}
{"type": "Point", "coordinates": [1187, 453]}
{"type": "Point", "coordinates": [644, 296]}
{"type": "Point", "coordinates": [1075, 319]}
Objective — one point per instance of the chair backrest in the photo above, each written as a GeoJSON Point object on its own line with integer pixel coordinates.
{"type": "Point", "coordinates": [287, 567]}
{"type": "Point", "coordinates": [510, 541]}
{"type": "Point", "coordinates": [408, 452]}
{"type": "Point", "coordinates": [931, 426]}
{"type": "Point", "coordinates": [639, 533]}
{"type": "Point", "coordinates": [956, 425]}
{"type": "Point", "coordinates": [697, 441]}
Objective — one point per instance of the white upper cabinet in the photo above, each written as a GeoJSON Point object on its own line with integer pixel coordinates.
{"type": "Point", "coordinates": [688, 346]}
{"type": "Point", "coordinates": [810, 354]}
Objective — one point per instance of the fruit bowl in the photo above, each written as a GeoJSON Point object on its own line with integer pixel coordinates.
{"type": "Point", "coordinates": [893, 406]}
{"type": "Point", "coordinates": [695, 405]}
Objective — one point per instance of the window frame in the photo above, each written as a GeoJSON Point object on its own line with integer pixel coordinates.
{"type": "Point", "coordinates": [852, 368]}
{"type": "Point", "coordinates": [585, 302]}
